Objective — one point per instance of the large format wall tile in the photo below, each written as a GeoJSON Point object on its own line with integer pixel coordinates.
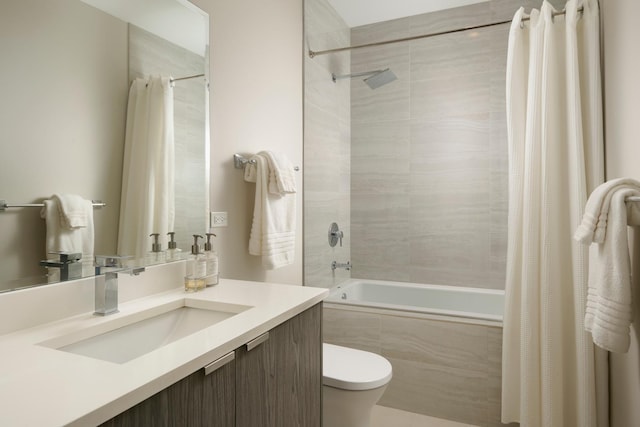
{"type": "Point", "coordinates": [327, 146]}
{"type": "Point", "coordinates": [449, 98]}
{"type": "Point", "coordinates": [454, 345]}
{"type": "Point", "coordinates": [351, 329]}
{"type": "Point", "coordinates": [453, 394]}
{"type": "Point", "coordinates": [450, 19]}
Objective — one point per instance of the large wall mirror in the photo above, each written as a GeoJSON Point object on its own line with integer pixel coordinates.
{"type": "Point", "coordinates": [67, 66]}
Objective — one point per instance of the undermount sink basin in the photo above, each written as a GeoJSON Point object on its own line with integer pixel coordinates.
{"type": "Point", "coordinates": [127, 338]}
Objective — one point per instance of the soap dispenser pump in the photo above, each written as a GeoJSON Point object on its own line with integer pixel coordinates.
{"type": "Point", "coordinates": [196, 268]}
{"type": "Point", "coordinates": [211, 257]}
{"type": "Point", "coordinates": [173, 253]}
{"type": "Point", "coordinates": [156, 255]}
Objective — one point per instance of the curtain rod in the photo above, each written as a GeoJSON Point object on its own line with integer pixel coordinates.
{"type": "Point", "coordinates": [313, 54]}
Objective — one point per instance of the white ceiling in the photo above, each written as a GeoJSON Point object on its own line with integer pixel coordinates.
{"type": "Point", "coordinates": [362, 12]}
{"type": "Point", "coordinates": [178, 21]}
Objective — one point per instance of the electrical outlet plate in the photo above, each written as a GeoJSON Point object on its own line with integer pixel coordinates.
{"type": "Point", "coordinates": [218, 219]}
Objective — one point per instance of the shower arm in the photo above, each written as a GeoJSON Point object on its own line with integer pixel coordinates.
{"type": "Point", "coordinates": [354, 75]}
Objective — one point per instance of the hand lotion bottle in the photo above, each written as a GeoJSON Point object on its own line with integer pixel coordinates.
{"type": "Point", "coordinates": [174, 252]}
{"type": "Point", "coordinates": [196, 268]}
{"type": "Point", "coordinates": [211, 257]}
{"type": "Point", "coordinates": [156, 256]}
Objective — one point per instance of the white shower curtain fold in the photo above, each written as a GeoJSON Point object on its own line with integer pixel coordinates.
{"type": "Point", "coordinates": [147, 203]}
{"type": "Point", "coordinates": [555, 159]}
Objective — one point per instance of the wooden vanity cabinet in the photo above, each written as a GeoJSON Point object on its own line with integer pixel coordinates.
{"type": "Point", "coordinates": [274, 380]}
{"type": "Point", "coordinates": [279, 382]}
{"type": "Point", "coordinates": [197, 400]}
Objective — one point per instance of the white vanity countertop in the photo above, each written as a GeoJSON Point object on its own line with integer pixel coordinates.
{"type": "Point", "coordinates": [41, 386]}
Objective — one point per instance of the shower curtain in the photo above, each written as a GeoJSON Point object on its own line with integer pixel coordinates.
{"type": "Point", "coordinates": [554, 121]}
{"type": "Point", "coordinates": [147, 198]}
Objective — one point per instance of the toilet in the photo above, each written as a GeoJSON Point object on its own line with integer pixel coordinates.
{"type": "Point", "coordinates": [353, 381]}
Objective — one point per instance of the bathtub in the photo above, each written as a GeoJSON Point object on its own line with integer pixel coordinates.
{"type": "Point", "coordinates": [455, 301]}
{"type": "Point", "coordinates": [444, 343]}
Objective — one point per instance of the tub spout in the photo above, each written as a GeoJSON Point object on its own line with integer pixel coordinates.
{"type": "Point", "coordinates": [336, 264]}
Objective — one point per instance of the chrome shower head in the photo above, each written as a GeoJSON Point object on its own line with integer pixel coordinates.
{"type": "Point", "coordinates": [380, 79]}
{"type": "Point", "coordinates": [374, 79]}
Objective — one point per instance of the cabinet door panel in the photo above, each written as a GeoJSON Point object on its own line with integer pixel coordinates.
{"type": "Point", "coordinates": [279, 383]}
{"type": "Point", "coordinates": [298, 367]}
{"type": "Point", "coordinates": [219, 408]}
{"type": "Point", "coordinates": [254, 399]}
{"type": "Point", "coordinates": [197, 400]}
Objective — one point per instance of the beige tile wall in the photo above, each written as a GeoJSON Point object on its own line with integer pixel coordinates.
{"type": "Point", "coordinates": [414, 172]}
{"type": "Point", "coordinates": [327, 146]}
{"type": "Point", "coordinates": [443, 369]}
{"type": "Point", "coordinates": [429, 151]}
{"type": "Point", "coordinates": [429, 172]}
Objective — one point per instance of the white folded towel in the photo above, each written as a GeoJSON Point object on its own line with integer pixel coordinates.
{"type": "Point", "coordinates": [609, 311]}
{"type": "Point", "coordinates": [273, 227]}
{"type": "Point", "coordinates": [62, 238]}
{"type": "Point", "coordinates": [282, 177]}
{"type": "Point", "coordinates": [596, 212]}
{"type": "Point", "coordinates": [72, 210]}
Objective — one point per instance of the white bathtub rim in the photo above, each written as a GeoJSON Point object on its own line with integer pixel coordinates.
{"type": "Point", "coordinates": [354, 280]}
{"type": "Point", "coordinates": [334, 301]}
{"type": "Point", "coordinates": [414, 314]}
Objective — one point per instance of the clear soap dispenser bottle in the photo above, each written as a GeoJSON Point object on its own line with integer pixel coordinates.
{"type": "Point", "coordinates": [156, 255]}
{"type": "Point", "coordinates": [173, 253]}
{"type": "Point", "coordinates": [212, 262]}
{"type": "Point", "coordinates": [196, 268]}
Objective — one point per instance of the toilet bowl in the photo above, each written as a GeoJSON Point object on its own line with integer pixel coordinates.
{"type": "Point", "coordinates": [353, 381]}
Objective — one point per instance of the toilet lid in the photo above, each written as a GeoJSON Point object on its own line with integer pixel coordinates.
{"type": "Point", "coordinates": [351, 369]}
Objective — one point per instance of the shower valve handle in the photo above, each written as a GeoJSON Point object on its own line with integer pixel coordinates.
{"type": "Point", "coordinates": [339, 235]}
{"type": "Point", "coordinates": [335, 234]}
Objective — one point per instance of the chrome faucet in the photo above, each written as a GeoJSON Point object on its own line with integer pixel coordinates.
{"type": "Point", "coordinates": [346, 266]}
{"type": "Point", "coordinates": [69, 265]}
{"type": "Point", "coordinates": [107, 269]}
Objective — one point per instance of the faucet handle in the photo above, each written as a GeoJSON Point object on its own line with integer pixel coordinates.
{"type": "Point", "coordinates": [111, 260]}
{"type": "Point", "coordinates": [335, 234]}
{"type": "Point", "coordinates": [67, 257]}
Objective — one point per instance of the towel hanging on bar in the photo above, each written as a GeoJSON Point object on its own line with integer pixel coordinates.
{"type": "Point", "coordinates": [239, 162]}
{"type": "Point", "coordinates": [4, 205]}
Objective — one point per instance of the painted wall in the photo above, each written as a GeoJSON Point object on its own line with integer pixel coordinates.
{"type": "Point", "coordinates": [327, 146]}
{"type": "Point", "coordinates": [622, 110]}
{"type": "Point", "coordinates": [62, 118]}
{"type": "Point", "coordinates": [256, 104]}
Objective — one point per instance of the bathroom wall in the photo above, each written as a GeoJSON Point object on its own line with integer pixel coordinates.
{"type": "Point", "coordinates": [621, 59]}
{"type": "Point", "coordinates": [256, 104]}
{"type": "Point", "coordinates": [429, 151]}
{"type": "Point", "coordinates": [56, 136]}
{"type": "Point", "coordinates": [153, 55]}
{"type": "Point", "coordinates": [327, 146]}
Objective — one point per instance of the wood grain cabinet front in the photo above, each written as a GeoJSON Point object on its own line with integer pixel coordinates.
{"type": "Point", "coordinates": [274, 380]}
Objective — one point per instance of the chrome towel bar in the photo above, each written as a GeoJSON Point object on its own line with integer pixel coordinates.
{"type": "Point", "coordinates": [4, 205]}
{"type": "Point", "coordinates": [239, 162]}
